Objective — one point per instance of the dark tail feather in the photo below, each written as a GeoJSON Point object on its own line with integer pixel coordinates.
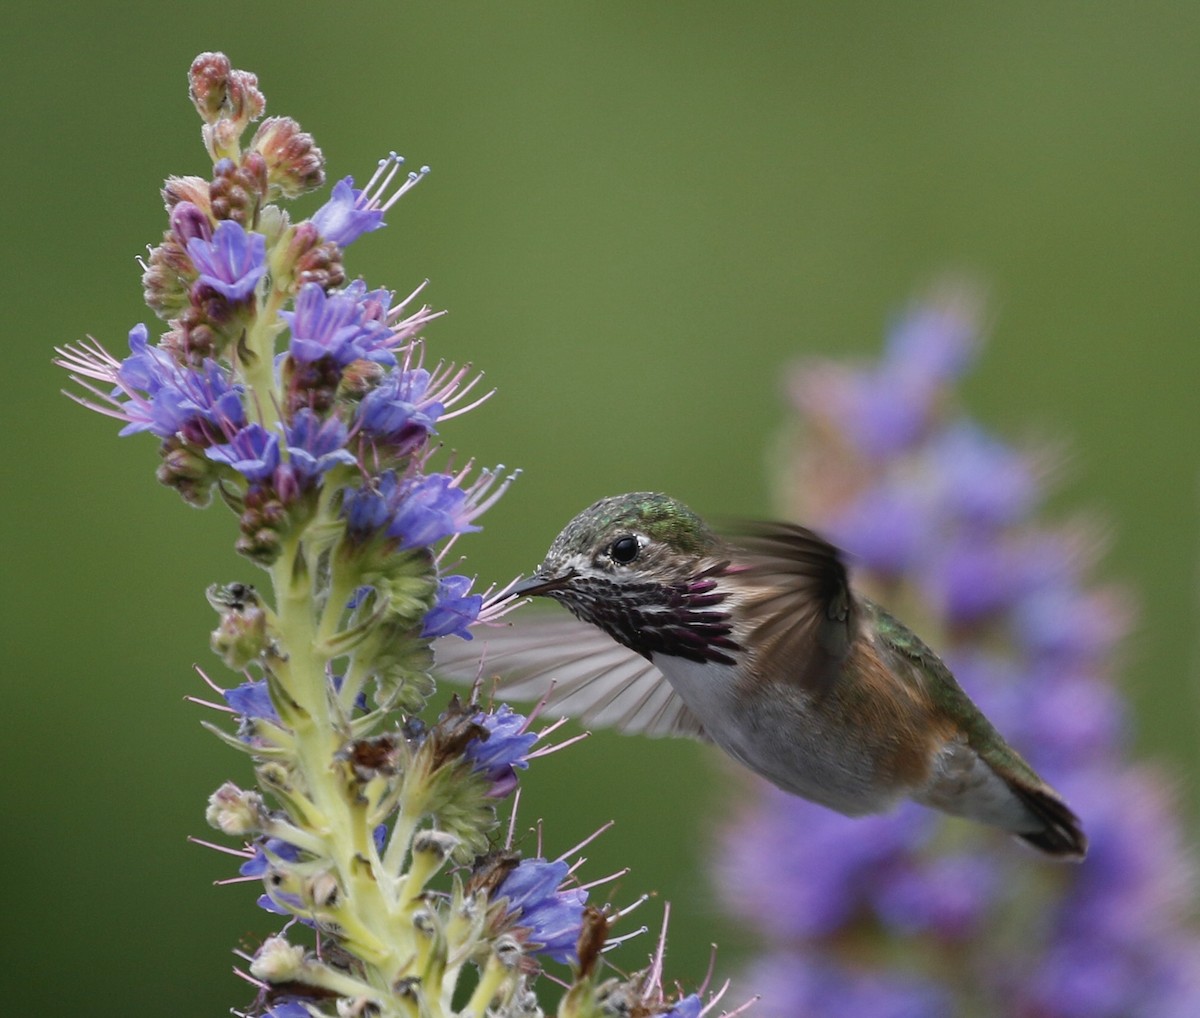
{"type": "Point", "coordinates": [1061, 834]}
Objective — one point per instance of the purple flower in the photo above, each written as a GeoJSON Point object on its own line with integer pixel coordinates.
{"type": "Point", "coordinates": [335, 326]}
{"type": "Point", "coordinates": [398, 412]}
{"type": "Point", "coordinates": [811, 885]}
{"type": "Point", "coordinates": [161, 395]}
{"type": "Point", "coordinates": [552, 919]}
{"type": "Point", "coordinates": [689, 1007]}
{"type": "Point", "coordinates": [314, 447]}
{"type": "Point", "coordinates": [948, 896]}
{"type": "Point", "coordinates": [341, 219]}
{"type": "Point", "coordinates": [936, 512]}
{"type": "Point", "coordinates": [887, 527]}
{"type": "Point", "coordinates": [982, 480]}
{"type": "Point", "coordinates": [253, 452]}
{"type": "Point", "coordinates": [290, 1009]}
{"type": "Point", "coordinates": [454, 610]}
{"type": "Point", "coordinates": [420, 509]}
{"type": "Point", "coordinates": [189, 222]}
{"type": "Point", "coordinates": [505, 749]}
{"type": "Point", "coordinates": [232, 262]}
{"type": "Point", "coordinates": [251, 700]}
{"type": "Point", "coordinates": [432, 508]}
{"type": "Point", "coordinates": [350, 213]}
{"type": "Point", "coordinates": [267, 851]}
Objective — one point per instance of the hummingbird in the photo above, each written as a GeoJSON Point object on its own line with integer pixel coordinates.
{"type": "Point", "coordinates": [757, 642]}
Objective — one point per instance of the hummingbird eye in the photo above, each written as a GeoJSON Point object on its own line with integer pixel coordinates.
{"type": "Point", "coordinates": [624, 550]}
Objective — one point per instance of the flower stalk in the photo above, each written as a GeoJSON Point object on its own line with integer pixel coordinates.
{"type": "Point", "coordinates": [301, 400]}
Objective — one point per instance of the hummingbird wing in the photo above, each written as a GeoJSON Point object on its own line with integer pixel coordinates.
{"type": "Point", "coordinates": [580, 670]}
{"type": "Point", "coordinates": [802, 616]}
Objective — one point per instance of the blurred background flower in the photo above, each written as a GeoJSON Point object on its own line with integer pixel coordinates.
{"type": "Point", "coordinates": [913, 913]}
{"type": "Point", "coordinates": [641, 213]}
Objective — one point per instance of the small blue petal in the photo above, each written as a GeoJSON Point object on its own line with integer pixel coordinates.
{"type": "Point", "coordinates": [454, 610]}
{"type": "Point", "coordinates": [341, 220]}
{"type": "Point", "coordinates": [251, 700]}
{"type": "Point", "coordinates": [232, 262]}
{"type": "Point", "coordinates": [253, 452]}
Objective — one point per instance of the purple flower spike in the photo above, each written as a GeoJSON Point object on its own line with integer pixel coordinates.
{"type": "Point", "coordinates": [936, 514]}
{"type": "Point", "coordinates": [232, 262]}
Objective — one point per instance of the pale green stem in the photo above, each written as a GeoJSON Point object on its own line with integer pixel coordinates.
{"type": "Point", "coordinates": [259, 368]}
{"type": "Point", "coordinates": [490, 982]}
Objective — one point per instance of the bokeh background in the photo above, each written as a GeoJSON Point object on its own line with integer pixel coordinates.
{"type": "Point", "coordinates": [638, 214]}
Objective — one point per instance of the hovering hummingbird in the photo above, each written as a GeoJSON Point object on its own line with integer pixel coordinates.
{"type": "Point", "coordinates": [758, 644]}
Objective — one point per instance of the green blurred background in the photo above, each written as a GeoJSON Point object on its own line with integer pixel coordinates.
{"type": "Point", "coordinates": [638, 213]}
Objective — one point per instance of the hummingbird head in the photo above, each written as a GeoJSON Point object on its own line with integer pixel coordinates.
{"type": "Point", "coordinates": [644, 568]}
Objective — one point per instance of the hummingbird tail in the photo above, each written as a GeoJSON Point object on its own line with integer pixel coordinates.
{"type": "Point", "coordinates": [1061, 834]}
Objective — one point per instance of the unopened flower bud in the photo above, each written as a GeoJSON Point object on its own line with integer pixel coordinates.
{"type": "Point", "coordinates": [294, 163]}
{"type": "Point", "coordinates": [187, 471]}
{"type": "Point", "coordinates": [277, 961]}
{"type": "Point", "coordinates": [321, 264]}
{"type": "Point", "coordinates": [237, 190]}
{"type": "Point", "coordinates": [187, 188]}
{"type": "Point", "coordinates": [167, 278]}
{"type": "Point", "coordinates": [263, 521]}
{"type": "Point", "coordinates": [232, 810]}
{"type": "Point", "coordinates": [208, 82]}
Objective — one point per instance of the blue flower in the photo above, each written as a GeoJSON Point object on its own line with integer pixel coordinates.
{"type": "Point", "coordinates": [454, 610]}
{"type": "Point", "coordinates": [232, 262]}
{"type": "Point", "coordinates": [432, 508]}
{"type": "Point", "coordinates": [315, 446]}
{"type": "Point", "coordinates": [689, 1007]}
{"type": "Point", "coordinates": [166, 398]}
{"type": "Point", "coordinates": [937, 512]}
{"type": "Point", "coordinates": [335, 326]}
{"type": "Point", "coordinates": [504, 750]}
{"type": "Point", "coordinates": [417, 510]}
{"type": "Point", "coordinates": [350, 212]}
{"type": "Point", "coordinates": [290, 1009]}
{"type": "Point", "coordinates": [397, 411]}
{"type": "Point", "coordinates": [266, 852]}
{"type": "Point", "coordinates": [251, 700]}
{"type": "Point", "coordinates": [342, 219]}
{"type": "Point", "coordinates": [552, 919]}
{"type": "Point", "coordinates": [253, 452]}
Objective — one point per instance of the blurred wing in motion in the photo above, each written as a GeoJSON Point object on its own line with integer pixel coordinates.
{"type": "Point", "coordinates": [594, 678]}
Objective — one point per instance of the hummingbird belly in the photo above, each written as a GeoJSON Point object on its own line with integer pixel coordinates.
{"type": "Point", "coordinates": [783, 735]}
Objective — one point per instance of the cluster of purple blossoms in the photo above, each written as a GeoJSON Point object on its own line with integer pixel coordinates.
{"type": "Point", "coordinates": [303, 400]}
{"type": "Point", "coordinates": [915, 915]}
{"type": "Point", "coordinates": [343, 415]}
